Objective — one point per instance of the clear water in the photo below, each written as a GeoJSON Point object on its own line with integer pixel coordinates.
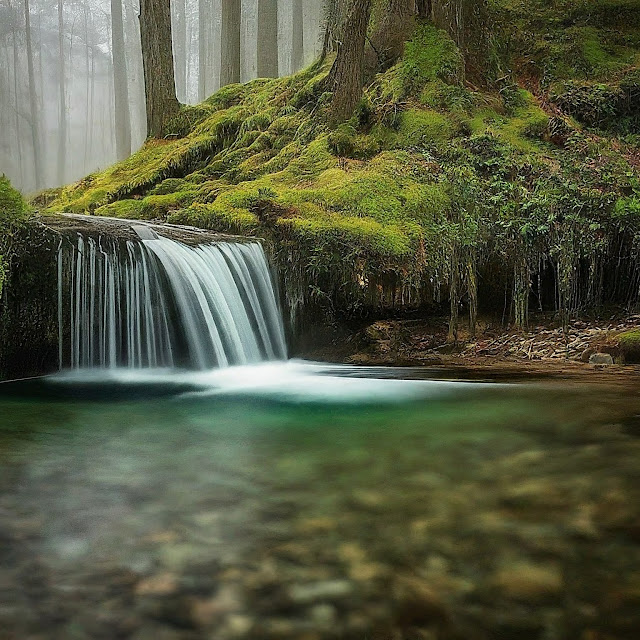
{"type": "Point", "coordinates": [304, 501]}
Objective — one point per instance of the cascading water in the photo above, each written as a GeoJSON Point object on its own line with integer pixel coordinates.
{"type": "Point", "coordinates": [160, 303]}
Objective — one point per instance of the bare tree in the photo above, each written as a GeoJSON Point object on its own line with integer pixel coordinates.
{"type": "Point", "coordinates": [230, 46]}
{"type": "Point", "coordinates": [267, 38]}
{"type": "Point", "coordinates": [157, 57]}
{"type": "Point", "coordinates": [62, 95]}
{"type": "Point", "coordinates": [179, 29]}
{"type": "Point", "coordinates": [120, 83]}
{"type": "Point", "coordinates": [33, 102]}
{"type": "Point", "coordinates": [203, 18]}
{"type": "Point", "coordinates": [297, 45]}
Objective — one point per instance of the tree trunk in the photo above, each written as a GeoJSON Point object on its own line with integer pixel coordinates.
{"type": "Point", "coordinates": [120, 83]}
{"type": "Point", "coordinates": [16, 64]}
{"type": "Point", "coordinates": [180, 48]}
{"type": "Point", "coordinates": [267, 38]}
{"type": "Point", "coordinates": [62, 96]}
{"type": "Point", "coordinates": [466, 22]}
{"type": "Point", "coordinates": [297, 46]}
{"type": "Point", "coordinates": [392, 31]}
{"type": "Point", "coordinates": [33, 103]}
{"type": "Point", "coordinates": [347, 73]}
{"type": "Point", "coordinates": [202, 49]}
{"type": "Point", "coordinates": [157, 57]}
{"type": "Point", "coordinates": [230, 46]}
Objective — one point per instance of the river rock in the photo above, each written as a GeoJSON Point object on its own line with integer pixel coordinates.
{"type": "Point", "coordinates": [327, 591]}
{"type": "Point", "coordinates": [603, 359]}
{"type": "Point", "coordinates": [528, 582]}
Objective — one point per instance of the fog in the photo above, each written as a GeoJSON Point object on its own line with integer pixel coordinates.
{"type": "Point", "coordinates": [57, 115]}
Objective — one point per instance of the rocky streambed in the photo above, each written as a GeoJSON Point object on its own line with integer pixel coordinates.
{"type": "Point", "coordinates": [461, 511]}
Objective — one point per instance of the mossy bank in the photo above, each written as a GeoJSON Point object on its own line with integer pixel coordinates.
{"type": "Point", "coordinates": [520, 192]}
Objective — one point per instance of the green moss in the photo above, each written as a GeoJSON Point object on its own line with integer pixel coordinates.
{"type": "Point", "coordinates": [629, 342]}
{"type": "Point", "coordinates": [430, 55]}
{"type": "Point", "coordinates": [126, 209]}
{"type": "Point", "coordinates": [419, 128]}
{"type": "Point", "coordinates": [13, 211]}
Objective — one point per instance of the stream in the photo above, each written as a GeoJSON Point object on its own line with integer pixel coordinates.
{"type": "Point", "coordinates": [295, 500]}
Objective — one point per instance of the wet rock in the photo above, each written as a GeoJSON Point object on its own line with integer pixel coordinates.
{"type": "Point", "coordinates": [162, 584]}
{"type": "Point", "coordinates": [417, 602]}
{"type": "Point", "coordinates": [239, 625]}
{"type": "Point", "coordinates": [527, 582]}
{"type": "Point", "coordinates": [324, 615]}
{"type": "Point", "coordinates": [325, 591]}
{"type": "Point", "coordinates": [603, 359]}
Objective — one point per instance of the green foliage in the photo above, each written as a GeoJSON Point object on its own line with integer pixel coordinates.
{"type": "Point", "coordinates": [430, 181]}
{"type": "Point", "coordinates": [629, 342]}
{"type": "Point", "coordinates": [430, 55]}
{"type": "Point", "coordinates": [13, 211]}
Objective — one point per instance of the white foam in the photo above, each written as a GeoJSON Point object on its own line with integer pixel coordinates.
{"type": "Point", "coordinates": [294, 380]}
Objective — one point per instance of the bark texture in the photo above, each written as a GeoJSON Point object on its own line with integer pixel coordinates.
{"type": "Point", "coordinates": [62, 105]}
{"type": "Point", "coordinates": [157, 57]}
{"type": "Point", "coordinates": [120, 83]}
{"type": "Point", "coordinates": [297, 47]}
{"type": "Point", "coordinates": [230, 46]}
{"type": "Point", "coordinates": [466, 21]}
{"type": "Point", "coordinates": [346, 78]}
{"type": "Point", "coordinates": [386, 45]}
{"type": "Point", "coordinates": [33, 102]}
{"type": "Point", "coordinates": [267, 38]}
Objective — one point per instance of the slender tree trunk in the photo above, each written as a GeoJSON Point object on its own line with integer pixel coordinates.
{"type": "Point", "coordinates": [157, 56]}
{"type": "Point", "coordinates": [87, 87]}
{"type": "Point", "coordinates": [120, 83]}
{"type": "Point", "coordinates": [62, 96]}
{"type": "Point", "coordinates": [230, 46]}
{"type": "Point", "coordinates": [347, 73]}
{"type": "Point", "coordinates": [267, 38]}
{"type": "Point", "coordinates": [33, 103]}
{"type": "Point", "coordinates": [203, 19]}
{"type": "Point", "coordinates": [180, 47]}
{"type": "Point", "coordinates": [297, 47]}
{"type": "Point", "coordinates": [16, 71]}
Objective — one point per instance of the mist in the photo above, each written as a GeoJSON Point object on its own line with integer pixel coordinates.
{"type": "Point", "coordinates": [61, 62]}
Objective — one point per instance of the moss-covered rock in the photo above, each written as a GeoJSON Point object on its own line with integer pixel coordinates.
{"type": "Point", "coordinates": [434, 187]}
{"type": "Point", "coordinates": [629, 343]}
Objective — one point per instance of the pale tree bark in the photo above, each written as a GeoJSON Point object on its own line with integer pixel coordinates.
{"type": "Point", "coordinates": [33, 103]}
{"type": "Point", "coordinates": [120, 83]}
{"type": "Point", "coordinates": [180, 47]}
{"type": "Point", "coordinates": [347, 73]}
{"type": "Point", "coordinates": [157, 57]}
{"type": "Point", "coordinates": [62, 97]}
{"type": "Point", "coordinates": [297, 46]}
{"type": "Point", "coordinates": [230, 45]}
{"type": "Point", "coordinates": [267, 38]}
{"type": "Point", "coordinates": [16, 72]}
{"type": "Point", "coordinates": [203, 19]}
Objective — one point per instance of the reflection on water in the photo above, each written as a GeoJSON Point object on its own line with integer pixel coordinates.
{"type": "Point", "coordinates": [310, 502]}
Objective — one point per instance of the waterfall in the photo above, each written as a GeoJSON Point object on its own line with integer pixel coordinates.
{"type": "Point", "coordinates": [154, 303]}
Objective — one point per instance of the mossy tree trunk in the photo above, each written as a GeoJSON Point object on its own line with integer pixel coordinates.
{"type": "Point", "coordinates": [157, 57]}
{"type": "Point", "coordinates": [466, 21]}
{"type": "Point", "coordinates": [230, 47]}
{"type": "Point", "coordinates": [346, 78]}
{"type": "Point", "coordinates": [386, 44]}
{"type": "Point", "coordinates": [267, 38]}
{"type": "Point", "coordinates": [120, 83]}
